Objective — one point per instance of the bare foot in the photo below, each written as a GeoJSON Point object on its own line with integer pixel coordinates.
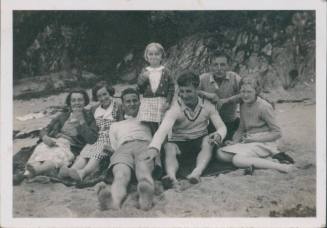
{"type": "Point", "coordinates": [75, 174]}
{"type": "Point", "coordinates": [146, 193]}
{"type": "Point", "coordinates": [288, 168]}
{"type": "Point", "coordinates": [105, 198]}
{"type": "Point", "coordinates": [168, 182]}
{"type": "Point", "coordinates": [194, 177]}
{"type": "Point", "coordinates": [63, 172]}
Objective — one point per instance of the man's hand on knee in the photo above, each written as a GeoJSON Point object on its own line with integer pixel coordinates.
{"type": "Point", "coordinates": [149, 154]}
{"type": "Point", "coordinates": [215, 138]}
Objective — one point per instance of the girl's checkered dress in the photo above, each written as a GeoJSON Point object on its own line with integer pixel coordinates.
{"type": "Point", "coordinates": [96, 150]}
{"type": "Point", "coordinates": [151, 109]}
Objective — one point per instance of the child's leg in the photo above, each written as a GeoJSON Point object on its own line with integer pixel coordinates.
{"type": "Point", "coordinates": [261, 163]}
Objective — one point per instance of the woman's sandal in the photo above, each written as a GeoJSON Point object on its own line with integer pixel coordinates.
{"type": "Point", "coordinates": [249, 170]}
{"type": "Point", "coordinates": [283, 158]}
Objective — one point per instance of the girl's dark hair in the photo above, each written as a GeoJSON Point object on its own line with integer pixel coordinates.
{"type": "Point", "coordinates": [129, 91]}
{"type": "Point", "coordinates": [80, 91]}
{"type": "Point", "coordinates": [100, 85]}
{"type": "Point", "coordinates": [188, 78]}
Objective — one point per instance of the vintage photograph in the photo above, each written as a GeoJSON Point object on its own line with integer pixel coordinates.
{"type": "Point", "coordinates": [250, 75]}
{"type": "Point", "coordinates": [164, 114]}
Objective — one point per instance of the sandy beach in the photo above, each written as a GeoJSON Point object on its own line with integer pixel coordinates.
{"type": "Point", "coordinates": [266, 193]}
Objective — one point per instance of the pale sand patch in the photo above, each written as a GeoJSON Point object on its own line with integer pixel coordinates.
{"type": "Point", "coordinates": [231, 194]}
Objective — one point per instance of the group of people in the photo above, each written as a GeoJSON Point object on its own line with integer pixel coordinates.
{"type": "Point", "coordinates": [160, 130]}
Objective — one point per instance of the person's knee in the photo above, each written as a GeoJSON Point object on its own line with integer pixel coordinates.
{"type": "Point", "coordinates": [143, 171]}
{"type": "Point", "coordinates": [205, 145]}
{"type": "Point", "coordinates": [238, 160]}
{"type": "Point", "coordinates": [121, 173]}
{"type": "Point", "coordinates": [171, 149]}
{"type": "Point", "coordinates": [224, 156]}
{"type": "Point", "coordinates": [220, 154]}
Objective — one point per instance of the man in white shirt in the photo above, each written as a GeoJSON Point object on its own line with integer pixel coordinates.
{"type": "Point", "coordinates": [129, 139]}
{"type": "Point", "coordinates": [187, 118]}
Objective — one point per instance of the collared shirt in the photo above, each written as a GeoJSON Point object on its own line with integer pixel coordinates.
{"type": "Point", "coordinates": [106, 114]}
{"type": "Point", "coordinates": [128, 130]}
{"type": "Point", "coordinates": [154, 77]}
{"type": "Point", "coordinates": [187, 124]}
{"type": "Point", "coordinates": [229, 87]}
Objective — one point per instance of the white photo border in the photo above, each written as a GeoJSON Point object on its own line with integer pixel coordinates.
{"type": "Point", "coordinates": [6, 110]}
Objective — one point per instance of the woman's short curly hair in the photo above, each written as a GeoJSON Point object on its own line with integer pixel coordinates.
{"type": "Point", "coordinates": [100, 85]}
{"type": "Point", "coordinates": [187, 78]}
{"type": "Point", "coordinates": [80, 91]}
{"type": "Point", "coordinates": [253, 82]}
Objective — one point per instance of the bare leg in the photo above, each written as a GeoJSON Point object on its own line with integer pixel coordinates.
{"type": "Point", "coordinates": [80, 163]}
{"type": "Point", "coordinates": [224, 156]}
{"type": "Point", "coordinates": [202, 161]}
{"type": "Point", "coordinates": [171, 163]}
{"type": "Point", "coordinates": [91, 167]}
{"type": "Point", "coordinates": [145, 187]}
{"type": "Point", "coordinates": [113, 199]}
{"type": "Point", "coordinates": [260, 163]}
{"type": "Point", "coordinates": [76, 171]}
{"type": "Point", "coordinates": [122, 176]}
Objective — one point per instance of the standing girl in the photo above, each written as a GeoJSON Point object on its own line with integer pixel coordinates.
{"type": "Point", "coordinates": [256, 138]}
{"type": "Point", "coordinates": [156, 85]}
{"type": "Point", "coordinates": [105, 113]}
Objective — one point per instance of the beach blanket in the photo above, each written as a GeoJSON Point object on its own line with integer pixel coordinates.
{"type": "Point", "coordinates": [19, 161]}
{"type": "Point", "coordinates": [215, 168]}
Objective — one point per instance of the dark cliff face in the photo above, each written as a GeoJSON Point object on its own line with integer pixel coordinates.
{"type": "Point", "coordinates": [278, 47]}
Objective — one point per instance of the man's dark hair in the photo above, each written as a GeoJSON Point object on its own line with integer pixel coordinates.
{"type": "Point", "coordinates": [81, 91]}
{"type": "Point", "coordinates": [100, 85]}
{"type": "Point", "coordinates": [188, 78]}
{"type": "Point", "coordinates": [129, 91]}
{"type": "Point", "coordinates": [220, 54]}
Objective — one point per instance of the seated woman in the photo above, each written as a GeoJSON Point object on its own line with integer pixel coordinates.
{"type": "Point", "coordinates": [256, 138]}
{"type": "Point", "coordinates": [65, 134]}
{"type": "Point", "coordinates": [105, 113]}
